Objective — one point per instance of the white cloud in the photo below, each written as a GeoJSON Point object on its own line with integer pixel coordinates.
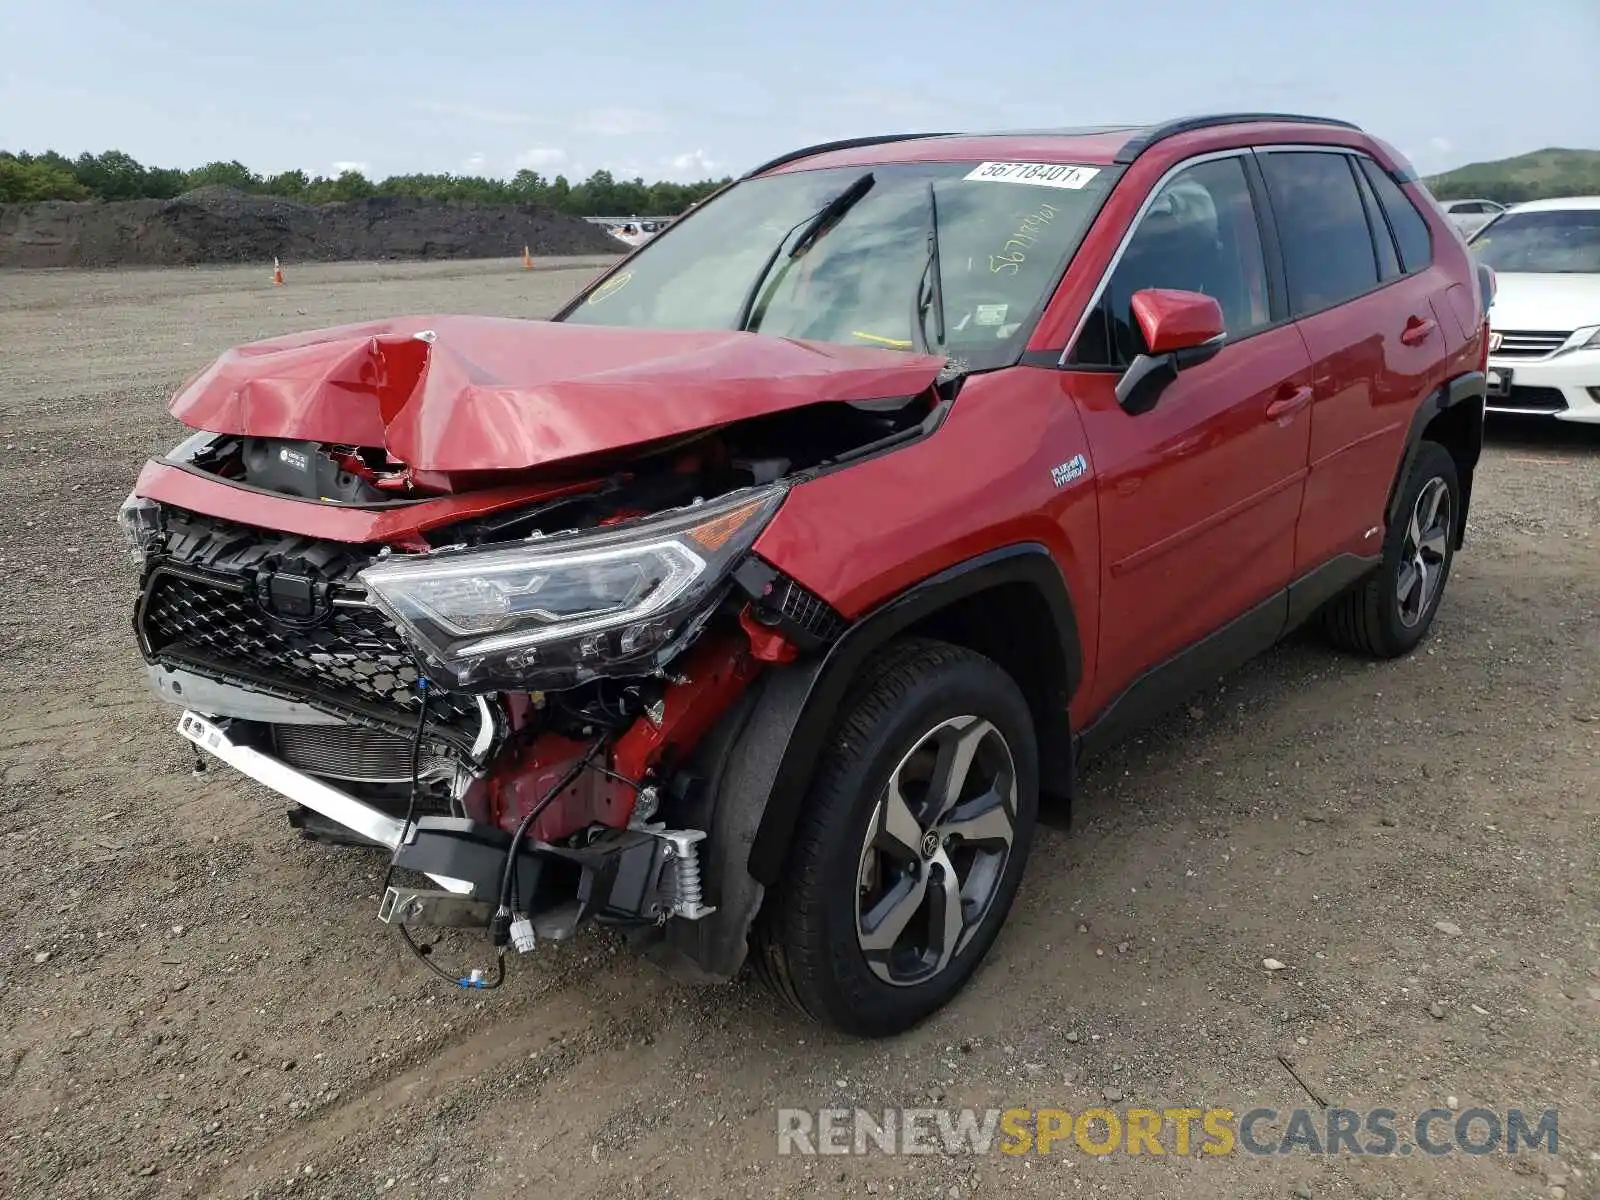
{"type": "Point", "coordinates": [541, 158]}
{"type": "Point", "coordinates": [339, 168]}
{"type": "Point", "coordinates": [471, 112]}
{"type": "Point", "coordinates": [475, 163]}
{"type": "Point", "coordinates": [693, 165]}
{"type": "Point", "coordinates": [620, 122]}
{"type": "Point", "coordinates": [1440, 145]}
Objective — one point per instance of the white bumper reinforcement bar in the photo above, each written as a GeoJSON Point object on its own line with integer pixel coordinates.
{"type": "Point", "coordinates": [303, 789]}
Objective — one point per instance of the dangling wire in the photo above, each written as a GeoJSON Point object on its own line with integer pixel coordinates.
{"type": "Point", "coordinates": [423, 951]}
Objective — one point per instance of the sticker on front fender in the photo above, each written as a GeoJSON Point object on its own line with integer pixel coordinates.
{"type": "Point", "coordinates": [1074, 468]}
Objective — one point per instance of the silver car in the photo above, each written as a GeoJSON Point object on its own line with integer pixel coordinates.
{"type": "Point", "coordinates": [1469, 216]}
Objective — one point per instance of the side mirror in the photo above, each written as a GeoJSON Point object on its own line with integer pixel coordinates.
{"type": "Point", "coordinates": [1181, 329]}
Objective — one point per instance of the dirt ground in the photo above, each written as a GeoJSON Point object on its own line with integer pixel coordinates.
{"type": "Point", "coordinates": [194, 1002]}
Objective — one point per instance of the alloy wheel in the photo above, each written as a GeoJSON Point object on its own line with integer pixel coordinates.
{"type": "Point", "coordinates": [936, 850]}
{"type": "Point", "coordinates": [1422, 554]}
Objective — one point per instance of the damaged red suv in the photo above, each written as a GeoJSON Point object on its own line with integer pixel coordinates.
{"type": "Point", "coordinates": [754, 603]}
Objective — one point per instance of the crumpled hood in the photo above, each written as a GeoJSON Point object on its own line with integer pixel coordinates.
{"type": "Point", "coordinates": [458, 393]}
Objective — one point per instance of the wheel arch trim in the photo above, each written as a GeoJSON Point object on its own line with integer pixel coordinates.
{"type": "Point", "coordinates": [1028, 563]}
{"type": "Point", "coordinates": [1469, 388]}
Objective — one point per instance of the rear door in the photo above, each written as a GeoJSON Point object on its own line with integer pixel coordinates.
{"type": "Point", "coordinates": [1199, 496]}
{"type": "Point", "coordinates": [1363, 300]}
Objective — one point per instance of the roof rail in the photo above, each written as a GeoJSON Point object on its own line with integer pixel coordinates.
{"type": "Point", "coordinates": [1159, 133]}
{"type": "Point", "coordinates": [845, 144]}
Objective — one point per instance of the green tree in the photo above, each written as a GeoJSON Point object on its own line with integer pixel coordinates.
{"type": "Point", "coordinates": [351, 185]}
{"type": "Point", "coordinates": [24, 181]}
{"type": "Point", "coordinates": [226, 174]}
{"type": "Point", "coordinates": [292, 184]}
{"type": "Point", "coordinates": [112, 175]}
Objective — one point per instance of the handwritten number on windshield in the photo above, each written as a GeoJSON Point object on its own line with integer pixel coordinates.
{"type": "Point", "coordinates": [1014, 253]}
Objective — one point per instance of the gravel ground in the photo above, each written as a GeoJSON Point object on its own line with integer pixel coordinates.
{"type": "Point", "coordinates": [194, 1002]}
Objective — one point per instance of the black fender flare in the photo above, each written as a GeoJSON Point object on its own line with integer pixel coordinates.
{"type": "Point", "coordinates": [1471, 387]}
{"type": "Point", "coordinates": [1029, 563]}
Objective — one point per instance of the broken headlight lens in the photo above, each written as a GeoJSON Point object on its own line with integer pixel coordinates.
{"type": "Point", "coordinates": [553, 611]}
{"type": "Point", "coordinates": [142, 524]}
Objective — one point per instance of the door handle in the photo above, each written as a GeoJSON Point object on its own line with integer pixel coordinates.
{"type": "Point", "coordinates": [1417, 330]}
{"type": "Point", "coordinates": [1289, 402]}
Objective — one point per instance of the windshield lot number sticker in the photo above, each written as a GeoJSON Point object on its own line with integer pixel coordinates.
{"type": "Point", "coordinates": [1056, 175]}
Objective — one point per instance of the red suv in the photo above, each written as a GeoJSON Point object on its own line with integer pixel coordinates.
{"type": "Point", "coordinates": [754, 604]}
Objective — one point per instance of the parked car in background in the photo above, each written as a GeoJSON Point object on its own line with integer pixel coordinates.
{"type": "Point", "coordinates": [753, 602]}
{"type": "Point", "coordinates": [1544, 344]}
{"type": "Point", "coordinates": [1469, 216]}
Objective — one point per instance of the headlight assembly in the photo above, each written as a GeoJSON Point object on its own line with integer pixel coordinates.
{"type": "Point", "coordinates": [1583, 339]}
{"type": "Point", "coordinates": [553, 611]}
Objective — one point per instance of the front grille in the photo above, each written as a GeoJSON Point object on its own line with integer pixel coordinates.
{"type": "Point", "coordinates": [1530, 400]}
{"type": "Point", "coordinates": [1530, 343]}
{"type": "Point", "coordinates": [353, 753]}
{"type": "Point", "coordinates": [352, 661]}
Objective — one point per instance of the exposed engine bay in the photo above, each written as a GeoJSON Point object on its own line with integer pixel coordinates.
{"type": "Point", "coordinates": [511, 699]}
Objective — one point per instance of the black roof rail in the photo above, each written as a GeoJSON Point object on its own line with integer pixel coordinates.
{"type": "Point", "coordinates": [1159, 133]}
{"type": "Point", "coordinates": [844, 144]}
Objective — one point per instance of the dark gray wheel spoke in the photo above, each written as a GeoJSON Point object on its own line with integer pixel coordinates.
{"type": "Point", "coordinates": [883, 924]}
{"type": "Point", "coordinates": [895, 831]}
{"type": "Point", "coordinates": [958, 746]}
{"type": "Point", "coordinates": [983, 821]}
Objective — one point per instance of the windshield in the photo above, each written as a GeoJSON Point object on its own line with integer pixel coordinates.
{"type": "Point", "coordinates": [1562, 240]}
{"type": "Point", "coordinates": [1005, 233]}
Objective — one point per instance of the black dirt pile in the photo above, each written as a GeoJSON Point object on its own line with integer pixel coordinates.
{"type": "Point", "coordinates": [221, 225]}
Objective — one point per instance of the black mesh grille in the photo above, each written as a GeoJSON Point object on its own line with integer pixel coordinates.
{"type": "Point", "coordinates": [351, 661]}
{"type": "Point", "coordinates": [810, 613]}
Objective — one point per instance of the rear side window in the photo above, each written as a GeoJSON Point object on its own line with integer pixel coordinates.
{"type": "Point", "coordinates": [1322, 226]}
{"type": "Point", "coordinates": [1382, 241]}
{"type": "Point", "coordinates": [1410, 230]}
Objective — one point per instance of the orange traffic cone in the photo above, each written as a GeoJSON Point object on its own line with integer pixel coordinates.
{"type": "Point", "coordinates": [527, 260]}
{"type": "Point", "coordinates": [277, 274]}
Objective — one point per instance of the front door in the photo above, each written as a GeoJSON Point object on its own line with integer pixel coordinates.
{"type": "Point", "coordinates": [1199, 496]}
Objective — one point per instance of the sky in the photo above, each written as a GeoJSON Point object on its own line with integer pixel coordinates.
{"type": "Point", "coordinates": [490, 86]}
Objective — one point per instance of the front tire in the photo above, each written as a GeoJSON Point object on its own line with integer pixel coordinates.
{"type": "Point", "coordinates": [911, 845]}
{"type": "Point", "coordinates": [1387, 614]}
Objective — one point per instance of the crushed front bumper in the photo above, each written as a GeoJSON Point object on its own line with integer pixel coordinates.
{"type": "Point", "coordinates": [640, 875]}
{"type": "Point", "coordinates": [370, 823]}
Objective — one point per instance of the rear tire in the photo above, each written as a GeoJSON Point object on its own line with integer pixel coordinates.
{"type": "Point", "coordinates": [1390, 611]}
{"type": "Point", "coordinates": [879, 921]}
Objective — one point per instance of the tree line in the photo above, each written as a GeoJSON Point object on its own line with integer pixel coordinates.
{"type": "Point", "coordinates": [113, 175]}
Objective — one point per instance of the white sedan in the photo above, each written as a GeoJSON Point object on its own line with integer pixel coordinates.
{"type": "Point", "coordinates": [1544, 341]}
{"type": "Point", "coordinates": [1469, 216]}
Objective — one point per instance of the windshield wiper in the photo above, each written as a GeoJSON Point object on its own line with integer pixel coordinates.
{"type": "Point", "coordinates": [810, 231]}
{"type": "Point", "coordinates": [930, 282]}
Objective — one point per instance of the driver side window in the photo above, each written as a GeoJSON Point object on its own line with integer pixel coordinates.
{"type": "Point", "coordinates": [1199, 235]}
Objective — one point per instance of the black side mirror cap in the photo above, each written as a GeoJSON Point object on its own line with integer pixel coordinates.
{"type": "Point", "coordinates": [1148, 375]}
